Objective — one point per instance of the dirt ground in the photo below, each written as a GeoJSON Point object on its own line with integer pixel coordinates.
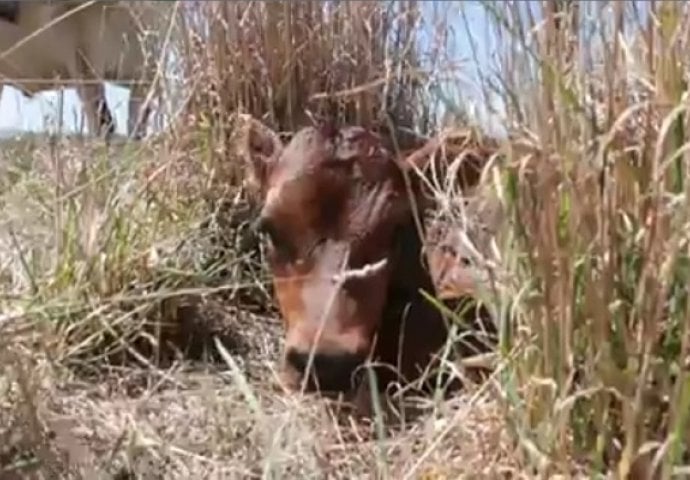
{"type": "Point", "coordinates": [229, 420]}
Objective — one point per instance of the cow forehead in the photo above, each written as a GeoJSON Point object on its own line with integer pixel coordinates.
{"type": "Point", "coordinates": [306, 149]}
{"type": "Point", "coordinates": [312, 146]}
{"type": "Point", "coordinates": [302, 164]}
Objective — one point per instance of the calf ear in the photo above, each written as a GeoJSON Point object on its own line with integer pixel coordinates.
{"type": "Point", "coordinates": [262, 147]}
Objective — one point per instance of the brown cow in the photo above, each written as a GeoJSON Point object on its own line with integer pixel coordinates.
{"type": "Point", "coordinates": [346, 255]}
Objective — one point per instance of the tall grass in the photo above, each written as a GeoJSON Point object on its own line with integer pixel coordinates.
{"type": "Point", "coordinates": [598, 195]}
{"type": "Point", "coordinates": [113, 245]}
{"type": "Point", "coordinates": [293, 63]}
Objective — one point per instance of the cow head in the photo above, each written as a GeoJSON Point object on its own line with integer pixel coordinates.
{"type": "Point", "coordinates": [344, 251]}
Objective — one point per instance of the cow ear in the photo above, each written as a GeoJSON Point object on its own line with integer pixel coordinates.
{"type": "Point", "coordinates": [262, 147]}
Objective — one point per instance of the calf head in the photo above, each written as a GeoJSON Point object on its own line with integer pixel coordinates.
{"type": "Point", "coordinates": [344, 253]}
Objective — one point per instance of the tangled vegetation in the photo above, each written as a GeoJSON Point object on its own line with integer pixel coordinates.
{"type": "Point", "coordinates": [138, 335]}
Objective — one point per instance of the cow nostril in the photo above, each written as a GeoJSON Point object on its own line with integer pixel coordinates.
{"type": "Point", "coordinates": [297, 360]}
{"type": "Point", "coordinates": [332, 371]}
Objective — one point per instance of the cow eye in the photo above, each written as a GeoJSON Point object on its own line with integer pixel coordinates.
{"type": "Point", "coordinates": [274, 237]}
{"type": "Point", "coordinates": [276, 241]}
{"type": "Point", "coordinates": [315, 246]}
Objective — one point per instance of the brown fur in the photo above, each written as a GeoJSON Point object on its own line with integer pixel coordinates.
{"type": "Point", "coordinates": [336, 197]}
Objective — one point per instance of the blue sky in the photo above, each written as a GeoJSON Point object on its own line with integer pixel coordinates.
{"type": "Point", "coordinates": [40, 112]}
{"type": "Point", "coordinates": [18, 112]}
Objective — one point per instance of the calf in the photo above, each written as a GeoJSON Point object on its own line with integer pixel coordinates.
{"type": "Point", "coordinates": [345, 252]}
{"type": "Point", "coordinates": [83, 43]}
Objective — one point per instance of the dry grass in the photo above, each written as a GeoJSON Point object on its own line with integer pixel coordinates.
{"type": "Point", "coordinates": [120, 267]}
{"type": "Point", "coordinates": [598, 196]}
{"type": "Point", "coordinates": [201, 425]}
